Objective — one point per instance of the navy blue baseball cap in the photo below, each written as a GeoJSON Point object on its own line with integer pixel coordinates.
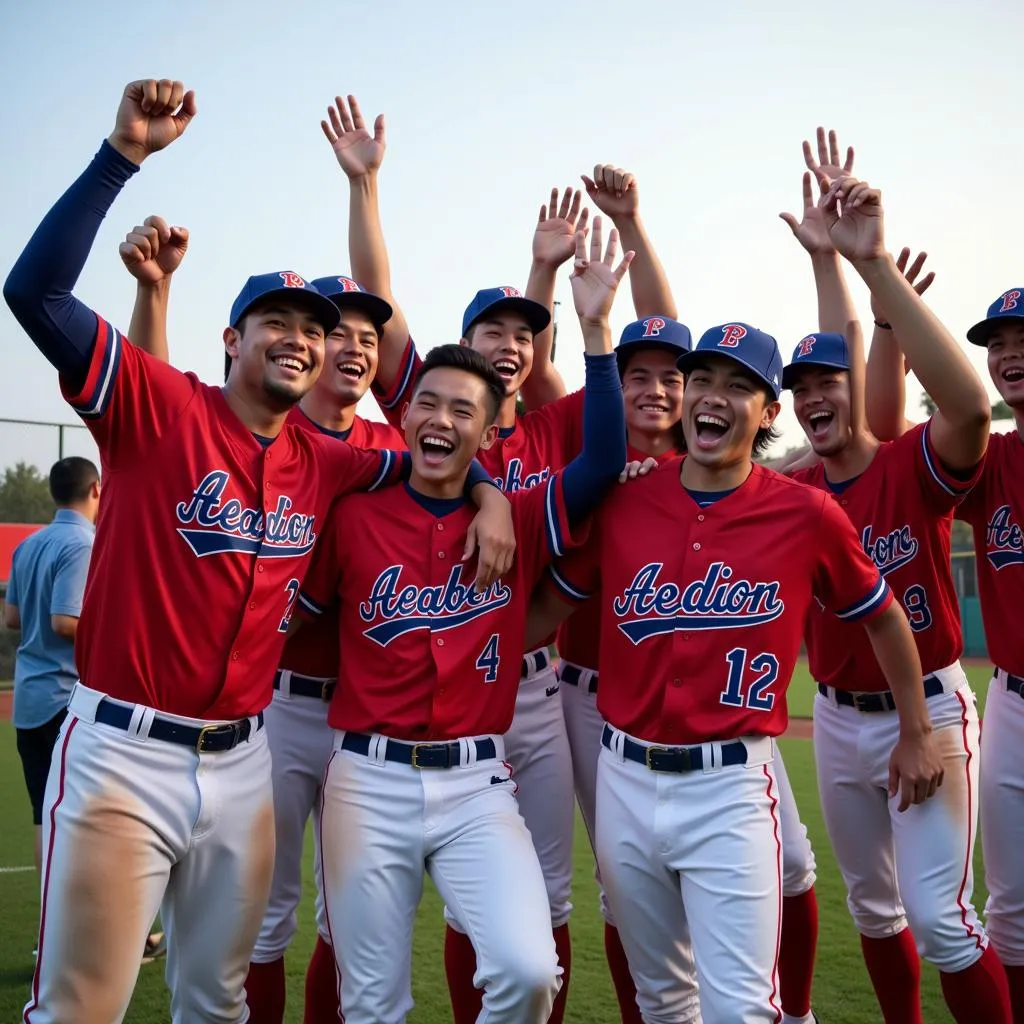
{"type": "Point", "coordinates": [494, 300]}
{"type": "Point", "coordinates": [746, 345]}
{"type": "Point", "coordinates": [348, 294]}
{"type": "Point", "coordinates": [288, 285]}
{"type": "Point", "coordinates": [1008, 308]}
{"type": "Point", "coordinates": [821, 349]}
{"type": "Point", "coordinates": [653, 332]}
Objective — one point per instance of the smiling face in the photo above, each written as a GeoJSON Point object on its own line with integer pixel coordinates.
{"type": "Point", "coordinates": [724, 406]}
{"type": "Point", "coordinates": [350, 358]}
{"type": "Point", "coordinates": [277, 352]}
{"type": "Point", "coordinates": [505, 340]}
{"type": "Point", "coordinates": [821, 401]}
{"type": "Point", "coordinates": [652, 390]}
{"type": "Point", "coordinates": [451, 416]}
{"type": "Point", "coordinates": [1006, 363]}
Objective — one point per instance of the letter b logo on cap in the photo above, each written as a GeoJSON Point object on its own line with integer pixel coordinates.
{"type": "Point", "coordinates": [1009, 301]}
{"type": "Point", "coordinates": [292, 280]}
{"type": "Point", "coordinates": [731, 335]}
{"type": "Point", "coordinates": [512, 293]}
{"type": "Point", "coordinates": [806, 347]}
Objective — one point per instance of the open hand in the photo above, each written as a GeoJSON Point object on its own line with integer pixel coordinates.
{"type": "Point", "coordinates": [554, 240]}
{"type": "Point", "coordinates": [636, 468]}
{"type": "Point", "coordinates": [853, 214]}
{"type": "Point", "coordinates": [152, 251]}
{"type": "Point", "coordinates": [358, 152]}
{"type": "Point", "coordinates": [151, 116]}
{"type": "Point", "coordinates": [911, 275]}
{"type": "Point", "coordinates": [594, 282]}
{"type": "Point", "coordinates": [810, 231]}
{"type": "Point", "coordinates": [828, 157]}
{"type": "Point", "coordinates": [613, 191]}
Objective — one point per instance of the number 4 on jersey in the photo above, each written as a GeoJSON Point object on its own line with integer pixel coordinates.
{"type": "Point", "coordinates": [757, 697]}
{"type": "Point", "coordinates": [489, 660]}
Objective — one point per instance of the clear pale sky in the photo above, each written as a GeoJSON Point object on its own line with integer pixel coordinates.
{"type": "Point", "coordinates": [488, 106]}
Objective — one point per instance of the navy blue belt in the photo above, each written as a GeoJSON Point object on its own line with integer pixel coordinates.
{"type": "Point", "coordinates": [420, 755]}
{"type": "Point", "coordinates": [883, 701]}
{"type": "Point", "coordinates": [1015, 684]}
{"type": "Point", "coordinates": [674, 759]}
{"type": "Point", "coordinates": [573, 674]}
{"type": "Point", "coordinates": [307, 686]}
{"type": "Point", "coordinates": [535, 662]}
{"type": "Point", "coordinates": [208, 739]}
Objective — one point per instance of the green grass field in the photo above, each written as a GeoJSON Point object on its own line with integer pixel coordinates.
{"type": "Point", "coordinates": [842, 992]}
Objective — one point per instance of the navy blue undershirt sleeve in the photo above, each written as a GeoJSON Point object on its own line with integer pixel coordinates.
{"type": "Point", "coordinates": [588, 477]}
{"type": "Point", "coordinates": [38, 288]}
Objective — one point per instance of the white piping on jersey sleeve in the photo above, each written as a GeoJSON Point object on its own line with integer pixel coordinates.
{"type": "Point", "coordinates": [386, 462]}
{"type": "Point", "coordinates": [310, 606]}
{"type": "Point", "coordinates": [111, 362]}
{"type": "Point", "coordinates": [573, 593]}
{"type": "Point", "coordinates": [878, 596]}
{"type": "Point", "coordinates": [929, 461]}
{"type": "Point", "coordinates": [554, 532]}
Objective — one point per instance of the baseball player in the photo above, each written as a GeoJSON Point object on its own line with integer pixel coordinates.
{"type": "Point", "coordinates": [995, 510]}
{"type": "Point", "coordinates": [430, 679]}
{"type": "Point", "coordinates": [159, 793]}
{"type": "Point", "coordinates": [704, 600]}
{"type": "Point", "coordinates": [296, 719]}
{"type": "Point", "coordinates": [900, 497]}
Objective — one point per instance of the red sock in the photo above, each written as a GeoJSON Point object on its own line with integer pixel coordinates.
{"type": "Point", "coordinates": [563, 947]}
{"type": "Point", "coordinates": [459, 968]}
{"type": "Point", "coordinates": [322, 1005]}
{"type": "Point", "coordinates": [895, 971]}
{"type": "Point", "coordinates": [264, 992]}
{"type": "Point", "coordinates": [1015, 979]}
{"type": "Point", "coordinates": [796, 952]}
{"type": "Point", "coordinates": [618, 965]}
{"type": "Point", "coordinates": [978, 993]}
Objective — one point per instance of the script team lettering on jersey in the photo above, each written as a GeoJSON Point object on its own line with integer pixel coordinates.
{"type": "Point", "coordinates": [396, 610]}
{"type": "Point", "coordinates": [892, 550]}
{"type": "Point", "coordinates": [515, 481]}
{"type": "Point", "coordinates": [650, 608]}
{"type": "Point", "coordinates": [228, 526]}
{"type": "Point", "coordinates": [1004, 540]}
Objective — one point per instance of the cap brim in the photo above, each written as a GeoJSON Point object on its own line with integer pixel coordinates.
{"type": "Point", "coordinates": [978, 334]}
{"type": "Point", "coordinates": [379, 311]}
{"type": "Point", "coordinates": [326, 312]}
{"type": "Point", "coordinates": [625, 350]}
{"type": "Point", "coordinates": [538, 317]}
{"type": "Point", "coordinates": [790, 371]}
{"type": "Point", "coordinates": [685, 363]}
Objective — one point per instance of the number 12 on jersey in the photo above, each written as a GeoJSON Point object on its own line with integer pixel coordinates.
{"type": "Point", "coordinates": [489, 659]}
{"type": "Point", "coordinates": [757, 697]}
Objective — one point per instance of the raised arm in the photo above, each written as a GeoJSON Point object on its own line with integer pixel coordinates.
{"type": "Point", "coordinates": [835, 303]}
{"type": "Point", "coordinates": [152, 114]}
{"type": "Point", "coordinates": [152, 252]}
{"type": "Point", "coordinates": [554, 242]}
{"type": "Point", "coordinates": [887, 367]}
{"type": "Point", "coordinates": [615, 193]}
{"type": "Point", "coordinates": [360, 155]}
{"type": "Point", "coordinates": [594, 284]}
{"type": "Point", "coordinates": [960, 425]}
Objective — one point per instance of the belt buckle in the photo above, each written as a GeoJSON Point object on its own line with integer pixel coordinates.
{"type": "Point", "coordinates": [861, 701]}
{"type": "Point", "coordinates": [327, 691]}
{"type": "Point", "coordinates": [656, 749]}
{"type": "Point", "coordinates": [429, 746]}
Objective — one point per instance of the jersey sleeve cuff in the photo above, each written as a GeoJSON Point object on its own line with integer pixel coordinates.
{"type": "Point", "coordinates": [954, 486]}
{"type": "Point", "coordinates": [561, 536]}
{"type": "Point", "coordinates": [564, 587]}
{"type": "Point", "coordinates": [93, 399]}
{"type": "Point", "coordinates": [308, 607]}
{"type": "Point", "coordinates": [870, 605]}
{"type": "Point", "coordinates": [388, 398]}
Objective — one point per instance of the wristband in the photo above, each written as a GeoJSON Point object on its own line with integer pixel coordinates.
{"type": "Point", "coordinates": [883, 325]}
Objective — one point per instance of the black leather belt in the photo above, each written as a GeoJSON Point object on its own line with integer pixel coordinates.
{"type": "Point", "coordinates": [573, 675]}
{"type": "Point", "coordinates": [674, 759]}
{"type": "Point", "coordinates": [420, 755]}
{"type": "Point", "coordinates": [1015, 684]}
{"type": "Point", "coordinates": [882, 701]}
{"type": "Point", "coordinates": [307, 686]}
{"type": "Point", "coordinates": [208, 739]}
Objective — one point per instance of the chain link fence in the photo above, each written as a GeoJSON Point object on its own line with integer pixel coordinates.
{"type": "Point", "coordinates": [41, 444]}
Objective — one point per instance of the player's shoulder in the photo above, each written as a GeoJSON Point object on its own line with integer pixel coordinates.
{"type": "Point", "coordinates": [803, 491]}
{"type": "Point", "coordinates": [1006, 447]}
{"type": "Point", "coordinates": [373, 434]}
{"type": "Point", "coordinates": [562, 409]}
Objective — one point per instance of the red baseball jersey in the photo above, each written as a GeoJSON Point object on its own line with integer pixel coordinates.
{"type": "Point", "coordinates": [579, 637]}
{"type": "Point", "coordinates": [703, 608]}
{"type": "Point", "coordinates": [426, 657]}
{"type": "Point", "coordinates": [995, 509]}
{"type": "Point", "coordinates": [203, 537]}
{"type": "Point", "coordinates": [902, 507]}
{"type": "Point", "coordinates": [314, 651]}
{"type": "Point", "coordinates": [541, 443]}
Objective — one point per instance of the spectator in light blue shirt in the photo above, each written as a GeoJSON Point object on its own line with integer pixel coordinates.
{"type": "Point", "coordinates": [44, 601]}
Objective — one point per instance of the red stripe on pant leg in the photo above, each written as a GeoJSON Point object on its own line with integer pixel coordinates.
{"type": "Point", "coordinates": [778, 916]}
{"type": "Point", "coordinates": [323, 872]}
{"type": "Point", "coordinates": [46, 870]}
{"type": "Point", "coordinates": [971, 932]}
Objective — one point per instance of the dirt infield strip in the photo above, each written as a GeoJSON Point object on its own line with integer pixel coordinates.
{"type": "Point", "coordinates": [799, 728]}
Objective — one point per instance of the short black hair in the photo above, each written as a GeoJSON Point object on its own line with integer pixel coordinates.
{"type": "Point", "coordinates": [71, 479]}
{"type": "Point", "coordinates": [764, 439]}
{"type": "Point", "coordinates": [462, 357]}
